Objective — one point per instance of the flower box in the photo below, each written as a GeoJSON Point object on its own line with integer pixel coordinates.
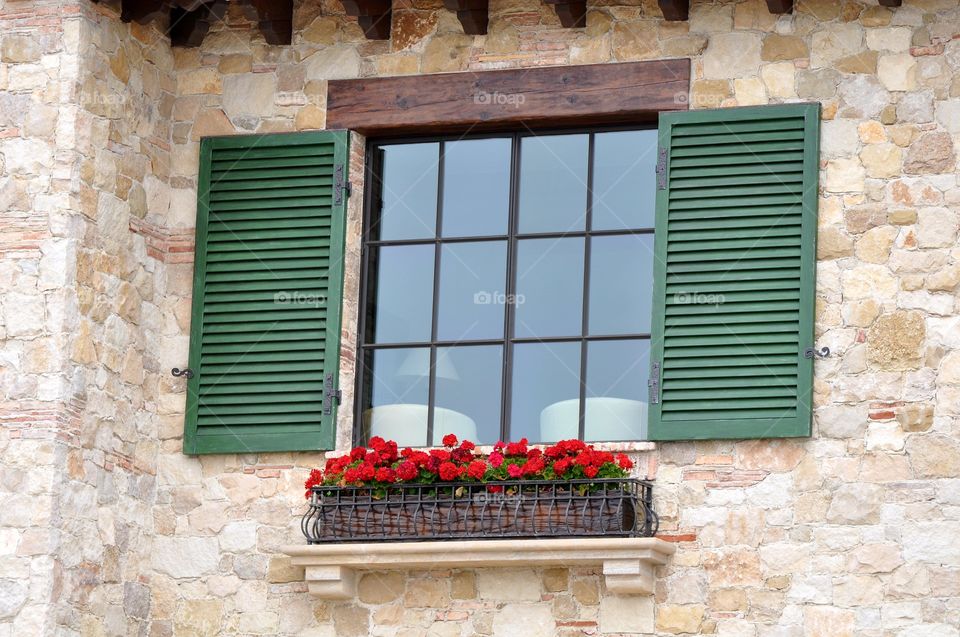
{"type": "Point", "coordinates": [462, 510]}
{"type": "Point", "coordinates": [569, 489]}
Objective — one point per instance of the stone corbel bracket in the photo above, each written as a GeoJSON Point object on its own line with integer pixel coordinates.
{"type": "Point", "coordinates": [628, 564]}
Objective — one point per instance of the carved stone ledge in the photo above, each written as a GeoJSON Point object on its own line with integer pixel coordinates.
{"type": "Point", "coordinates": [628, 564]}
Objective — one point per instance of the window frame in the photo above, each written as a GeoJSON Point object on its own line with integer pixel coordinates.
{"type": "Point", "coordinates": [371, 195]}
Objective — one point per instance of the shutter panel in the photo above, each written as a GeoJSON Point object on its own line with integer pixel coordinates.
{"type": "Point", "coordinates": [268, 277]}
{"type": "Point", "coordinates": [734, 273]}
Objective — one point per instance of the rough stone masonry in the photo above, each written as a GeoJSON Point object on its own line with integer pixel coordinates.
{"type": "Point", "coordinates": [106, 528]}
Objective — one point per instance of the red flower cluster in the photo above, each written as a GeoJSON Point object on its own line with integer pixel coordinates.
{"type": "Point", "coordinates": [383, 465]}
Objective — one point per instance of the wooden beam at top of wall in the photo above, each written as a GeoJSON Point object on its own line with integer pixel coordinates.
{"type": "Point", "coordinates": [590, 94]}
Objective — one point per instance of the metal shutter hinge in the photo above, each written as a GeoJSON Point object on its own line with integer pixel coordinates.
{"type": "Point", "coordinates": [186, 372]}
{"type": "Point", "coordinates": [339, 185]}
{"type": "Point", "coordinates": [330, 395]}
{"type": "Point", "coordinates": [654, 384]}
{"type": "Point", "coordinates": [810, 352]}
{"type": "Point", "coordinates": [661, 169]}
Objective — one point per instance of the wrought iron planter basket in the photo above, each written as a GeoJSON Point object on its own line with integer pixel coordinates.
{"type": "Point", "coordinates": [451, 511]}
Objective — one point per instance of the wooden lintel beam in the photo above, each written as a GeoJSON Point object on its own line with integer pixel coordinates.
{"type": "Point", "coordinates": [572, 13]}
{"type": "Point", "coordinates": [374, 17]}
{"type": "Point", "coordinates": [780, 6]}
{"type": "Point", "coordinates": [496, 100]}
{"type": "Point", "coordinates": [472, 14]}
{"type": "Point", "coordinates": [141, 11]}
{"type": "Point", "coordinates": [675, 10]}
{"type": "Point", "coordinates": [890, 3]}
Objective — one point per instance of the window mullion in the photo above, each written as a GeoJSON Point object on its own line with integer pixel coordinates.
{"type": "Point", "coordinates": [506, 391]}
{"type": "Point", "coordinates": [432, 379]}
{"type": "Point", "coordinates": [585, 326]}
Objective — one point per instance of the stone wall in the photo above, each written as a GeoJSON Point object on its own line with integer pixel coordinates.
{"type": "Point", "coordinates": [107, 528]}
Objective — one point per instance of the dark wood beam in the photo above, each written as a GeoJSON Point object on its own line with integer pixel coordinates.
{"type": "Point", "coordinates": [490, 100]}
{"type": "Point", "coordinates": [188, 28]}
{"type": "Point", "coordinates": [472, 14]}
{"type": "Point", "coordinates": [141, 11]}
{"type": "Point", "coordinates": [572, 13]}
{"type": "Point", "coordinates": [374, 17]}
{"type": "Point", "coordinates": [675, 10]}
{"type": "Point", "coordinates": [274, 18]}
{"type": "Point", "coordinates": [780, 6]}
{"type": "Point", "coordinates": [890, 3]}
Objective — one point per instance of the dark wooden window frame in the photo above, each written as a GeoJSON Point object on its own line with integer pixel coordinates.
{"type": "Point", "coordinates": [365, 344]}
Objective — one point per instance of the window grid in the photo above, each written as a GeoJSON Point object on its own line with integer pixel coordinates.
{"type": "Point", "coordinates": [512, 238]}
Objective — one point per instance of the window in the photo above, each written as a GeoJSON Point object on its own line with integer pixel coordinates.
{"type": "Point", "coordinates": [499, 299]}
{"type": "Point", "coordinates": [508, 287]}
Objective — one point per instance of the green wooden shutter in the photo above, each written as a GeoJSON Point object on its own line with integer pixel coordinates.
{"type": "Point", "coordinates": [268, 278]}
{"type": "Point", "coordinates": [734, 273]}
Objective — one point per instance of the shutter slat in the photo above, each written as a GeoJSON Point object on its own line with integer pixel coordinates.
{"type": "Point", "coordinates": [266, 306]}
{"type": "Point", "coordinates": [733, 299]}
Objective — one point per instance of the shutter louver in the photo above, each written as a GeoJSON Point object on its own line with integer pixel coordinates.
{"type": "Point", "coordinates": [268, 277]}
{"type": "Point", "coordinates": [734, 274]}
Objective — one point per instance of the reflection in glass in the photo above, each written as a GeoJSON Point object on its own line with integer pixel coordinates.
{"type": "Point", "coordinates": [546, 389]}
{"type": "Point", "coordinates": [398, 384]}
{"type": "Point", "coordinates": [616, 407]}
{"type": "Point", "coordinates": [553, 183]}
{"type": "Point", "coordinates": [409, 191]}
{"type": "Point", "coordinates": [472, 290]}
{"type": "Point", "coordinates": [624, 173]}
{"type": "Point", "coordinates": [621, 284]}
{"type": "Point", "coordinates": [476, 187]}
{"type": "Point", "coordinates": [549, 287]}
{"type": "Point", "coordinates": [468, 404]}
{"type": "Point", "coordinates": [404, 294]}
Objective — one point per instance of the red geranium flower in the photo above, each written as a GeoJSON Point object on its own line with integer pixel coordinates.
{"type": "Point", "coordinates": [450, 440]}
{"type": "Point", "coordinates": [514, 471]}
{"type": "Point", "coordinates": [358, 453]}
{"type": "Point", "coordinates": [449, 471]}
{"type": "Point", "coordinates": [496, 459]}
{"type": "Point", "coordinates": [407, 470]}
{"type": "Point", "coordinates": [590, 472]}
{"type": "Point", "coordinates": [386, 474]}
{"type": "Point", "coordinates": [624, 462]}
{"type": "Point", "coordinates": [477, 469]}
{"type": "Point", "coordinates": [466, 445]}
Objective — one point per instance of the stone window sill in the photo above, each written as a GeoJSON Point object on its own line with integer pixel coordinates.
{"type": "Point", "coordinates": [628, 563]}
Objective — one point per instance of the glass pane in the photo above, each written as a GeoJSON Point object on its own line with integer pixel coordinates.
{"type": "Point", "coordinates": [616, 407]}
{"type": "Point", "coordinates": [624, 179]}
{"type": "Point", "coordinates": [546, 391]}
{"type": "Point", "coordinates": [621, 284]}
{"type": "Point", "coordinates": [472, 290]}
{"type": "Point", "coordinates": [403, 280]}
{"type": "Point", "coordinates": [476, 187]}
{"type": "Point", "coordinates": [468, 392]}
{"type": "Point", "coordinates": [549, 287]}
{"type": "Point", "coordinates": [553, 183]}
{"type": "Point", "coordinates": [409, 191]}
{"type": "Point", "coordinates": [397, 383]}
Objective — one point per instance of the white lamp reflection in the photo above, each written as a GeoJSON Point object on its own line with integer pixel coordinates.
{"type": "Point", "coordinates": [407, 423]}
